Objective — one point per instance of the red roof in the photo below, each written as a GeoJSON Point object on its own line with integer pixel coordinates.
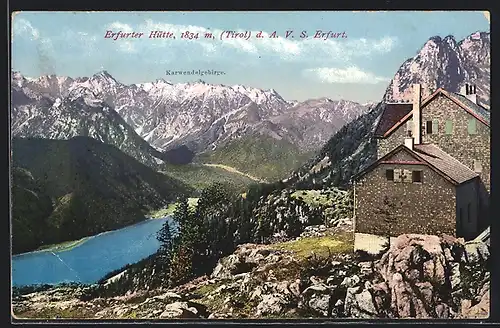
{"type": "Point", "coordinates": [393, 113]}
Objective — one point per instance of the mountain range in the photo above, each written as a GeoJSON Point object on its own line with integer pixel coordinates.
{"type": "Point", "coordinates": [146, 120]}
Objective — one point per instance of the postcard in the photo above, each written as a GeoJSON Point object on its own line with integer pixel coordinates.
{"type": "Point", "coordinates": [250, 165]}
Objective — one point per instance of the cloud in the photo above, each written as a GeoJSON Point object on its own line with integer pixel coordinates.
{"type": "Point", "coordinates": [23, 28]}
{"type": "Point", "coordinates": [350, 74]}
{"type": "Point", "coordinates": [86, 44]}
{"type": "Point", "coordinates": [44, 47]}
{"type": "Point", "coordinates": [124, 45]}
{"type": "Point", "coordinates": [296, 49]}
{"type": "Point", "coordinates": [316, 51]}
{"type": "Point", "coordinates": [121, 27]}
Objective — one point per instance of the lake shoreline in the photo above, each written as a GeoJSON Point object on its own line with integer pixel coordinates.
{"type": "Point", "coordinates": [71, 244]}
{"type": "Point", "coordinates": [86, 261]}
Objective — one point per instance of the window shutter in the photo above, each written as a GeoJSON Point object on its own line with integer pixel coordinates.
{"type": "Point", "coordinates": [449, 127]}
{"type": "Point", "coordinates": [428, 127]}
{"type": "Point", "coordinates": [417, 176]}
{"type": "Point", "coordinates": [435, 125]}
{"type": "Point", "coordinates": [397, 175]}
{"type": "Point", "coordinates": [472, 126]}
{"type": "Point", "coordinates": [407, 176]}
{"type": "Point", "coordinates": [389, 174]}
{"type": "Point", "coordinates": [477, 166]}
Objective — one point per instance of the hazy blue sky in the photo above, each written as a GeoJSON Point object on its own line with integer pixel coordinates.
{"type": "Point", "coordinates": [357, 67]}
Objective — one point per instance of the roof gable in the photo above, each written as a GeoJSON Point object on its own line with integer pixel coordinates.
{"type": "Point", "coordinates": [479, 112]}
{"type": "Point", "coordinates": [472, 108]}
{"type": "Point", "coordinates": [432, 156]}
{"type": "Point", "coordinates": [385, 159]}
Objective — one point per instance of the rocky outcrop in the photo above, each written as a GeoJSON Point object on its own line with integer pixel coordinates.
{"type": "Point", "coordinates": [424, 276]}
{"type": "Point", "coordinates": [419, 276]}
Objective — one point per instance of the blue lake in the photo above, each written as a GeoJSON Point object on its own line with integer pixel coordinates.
{"type": "Point", "coordinates": [91, 260]}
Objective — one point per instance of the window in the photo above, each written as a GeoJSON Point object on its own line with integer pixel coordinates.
{"type": "Point", "coordinates": [468, 213]}
{"type": "Point", "coordinates": [472, 127]}
{"type": "Point", "coordinates": [435, 125]}
{"type": "Point", "coordinates": [449, 127]}
{"type": "Point", "coordinates": [397, 175]}
{"type": "Point", "coordinates": [478, 168]}
{"type": "Point", "coordinates": [428, 127]}
{"type": "Point", "coordinates": [407, 176]}
{"type": "Point", "coordinates": [417, 176]}
{"type": "Point", "coordinates": [389, 174]}
{"type": "Point", "coordinates": [460, 217]}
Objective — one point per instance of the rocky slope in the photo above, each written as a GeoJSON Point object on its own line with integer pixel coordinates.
{"type": "Point", "coordinates": [446, 63]}
{"type": "Point", "coordinates": [348, 152]}
{"type": "Point", "coordinates": [311, 123]}
{"type": "Point", "coordinates": [419, 276]}
{"type": "Point", "coordinates": [67, 189]}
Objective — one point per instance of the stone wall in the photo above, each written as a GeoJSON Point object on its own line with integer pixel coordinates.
{"type": "Point", "coordinates": [464, 147]}
{"type": "Point", "coordinates": [427, 208]}
{"type": "Point", "coordinates": [388, 144]}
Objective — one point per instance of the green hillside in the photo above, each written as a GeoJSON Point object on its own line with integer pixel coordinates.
{"type": "Point", "coordinates": [68, 189]}
{"type": "Point", "coordinates": [260, 156]}
{"type": "Point", "coordinates": [199, 176]}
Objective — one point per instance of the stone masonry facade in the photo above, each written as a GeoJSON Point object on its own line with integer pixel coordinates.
{"type": "Point", "coordinates": [396, 138]}
{"type": "Point", "coordinates": [460, 144]}
{"type": "Point", "coordinates": [428, 207]}
{"type": "Point", "coordinates": [463, 146]}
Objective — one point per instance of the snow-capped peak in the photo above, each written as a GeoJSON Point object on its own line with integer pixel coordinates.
{"type": "Point", "coordinates": [104, 77]}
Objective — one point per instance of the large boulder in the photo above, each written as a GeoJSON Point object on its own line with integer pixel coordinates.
{"type": "Point", "coordinates": [183, 310]}
{"type": "Point", "coordinates": [244, 259]}
{"type": "Point", "coordinates": [423, 276]}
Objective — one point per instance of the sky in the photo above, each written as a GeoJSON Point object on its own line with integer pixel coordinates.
{"type": "Point", "coordinates": [355, 61]}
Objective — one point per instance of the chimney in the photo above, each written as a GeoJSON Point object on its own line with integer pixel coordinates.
{"type": "Point", "coordinates": [472, 96]}
{"type": "Point", "coordinates": [409, 142]}
{"type": "Point", "coordinates": [417, 125]}
{"type": "Point", "coordinates": [464, 90]}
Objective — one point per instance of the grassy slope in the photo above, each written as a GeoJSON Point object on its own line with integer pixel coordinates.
{"type": "Point", "coordinates": [259, 156]}
{"type": "Point", "coordinates": [201, 176]}
{"type": "Point", "coordinates": [94, 187]}
{"type": "Point", "coordinates": [340, 243]}
{"type": "Point", "coordinates": [65, 246]}
{"type": "Point", "coordinates": [169, 210]}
